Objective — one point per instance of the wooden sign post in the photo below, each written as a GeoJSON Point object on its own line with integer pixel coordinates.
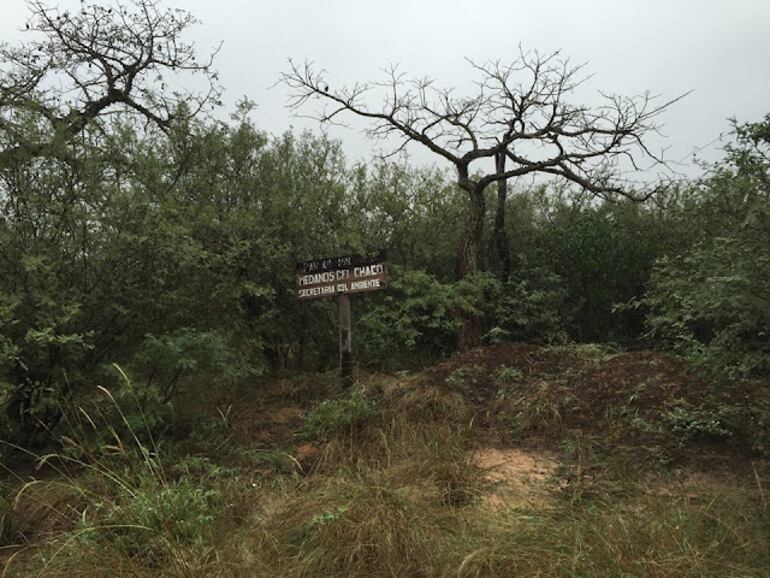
{"type": "Point", "coordinates": [346, 342]}
{"type": "Point", "coordinates": [342, 276]}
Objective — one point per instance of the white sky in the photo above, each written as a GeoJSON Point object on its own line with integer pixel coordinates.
{"type": "Point", "coordinates": [718, 49]}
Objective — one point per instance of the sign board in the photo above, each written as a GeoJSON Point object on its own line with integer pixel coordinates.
{"type": "Point", "coordinates": [341, 275]}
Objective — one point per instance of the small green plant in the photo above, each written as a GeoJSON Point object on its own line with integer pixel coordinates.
{"type": "Point", "coordinates": [626, 418]}
{"type": "Point", "coordinates": [273, 460]}
{"type": "Point", "coordinates": [201, 467]}
{"type": "Point", "coordinates": [464, 377]}
{"type": "Point", "coordinates": [458, 378]}
{"type": "Point", "coordinates": [691, 422]}
{"type": "Point", "coordinates": [334, 417]}
{"type": "Point", "coordinates": [497, 335]}
{"type": "Point", "coordinates": [328, 517]}
{"type": "Point", "coordinates": [152, 519]}
{"type": "Point", "coordinates": [506, 374]}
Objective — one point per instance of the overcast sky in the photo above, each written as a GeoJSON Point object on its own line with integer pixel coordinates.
{"type": "Point", "coordinates": [718, 49]}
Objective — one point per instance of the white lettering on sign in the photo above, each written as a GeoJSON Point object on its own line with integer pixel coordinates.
{"type": "Point", "coordinates": [361, 285]}
{"type": "Point", "coordinates": [317, 291]}
{"type": "Point", "coordinates": [368, 271]}
{"type": "Point", "coordinates": [316, 278]}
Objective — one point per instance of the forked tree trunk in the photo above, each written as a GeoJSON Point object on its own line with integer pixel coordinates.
{"type": "Point", "coordinates": [500, 234]}
{"type": "Point", "coordinates": [470, 328]}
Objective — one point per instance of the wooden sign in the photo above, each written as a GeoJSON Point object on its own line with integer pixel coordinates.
{"type": "Point", "coordinates": [341, 275]}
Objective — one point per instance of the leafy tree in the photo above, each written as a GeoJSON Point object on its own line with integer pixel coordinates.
{"type": "Point", "coordinates": [604, 254]}
{"type": "Point", "coordinates": [412, 211]}
{"type": "Point", "coordinates": [73, 231]}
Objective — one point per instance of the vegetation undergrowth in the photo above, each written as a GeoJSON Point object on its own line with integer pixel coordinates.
{"type": "Point", "coordinates": [383, 480]}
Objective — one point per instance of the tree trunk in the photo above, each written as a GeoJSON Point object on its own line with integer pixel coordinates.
{"type": "Point", "coordinates": [500, 234]}
{"type": "Point", "coordinates": [470, 328]}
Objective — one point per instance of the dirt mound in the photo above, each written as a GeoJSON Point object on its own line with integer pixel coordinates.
{"type": "Point", "coordinates": [644, 381]}
{"type": "Point", "coordinates": [490, 357]}
{"type": "Point", "coordinates": [597, 379]}
{"type": "Point", "coordinates": [475, 373]}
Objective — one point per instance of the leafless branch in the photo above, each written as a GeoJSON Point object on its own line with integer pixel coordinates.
{"type": "Point", "coordinates": [80, 65]}
{"type": "Point", "coordinates": [520, 109]}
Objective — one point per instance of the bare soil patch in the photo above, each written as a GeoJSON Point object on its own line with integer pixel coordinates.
{"type": "Point", "coordinates": [514, 477]}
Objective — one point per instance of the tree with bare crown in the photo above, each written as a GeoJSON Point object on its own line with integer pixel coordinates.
{"type": "Point", "coordinates": [517, 122]}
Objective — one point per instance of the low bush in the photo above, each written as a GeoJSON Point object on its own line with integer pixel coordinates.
{"type": "Point", "coordinates": [339, 417]}
{"type": "Point", "coordinates": [689, 422]}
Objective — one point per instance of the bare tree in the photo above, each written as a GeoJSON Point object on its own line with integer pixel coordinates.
{"type": "Point", "coordinates": [518, 118]}
{"type": "Point", "coordinates": [82, 65]}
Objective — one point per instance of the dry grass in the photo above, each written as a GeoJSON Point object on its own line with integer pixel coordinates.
{"type": "Point", "coordinates": [409, 492]}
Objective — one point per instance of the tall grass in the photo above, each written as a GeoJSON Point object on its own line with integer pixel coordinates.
{"type": "Point", "coordinates": [392, 493]}
{"type": "Point", "coordinates": [115, 504]}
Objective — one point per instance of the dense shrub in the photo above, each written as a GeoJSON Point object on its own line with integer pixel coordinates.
{"type": "Point", "coordinates": [531, 306]}
{"type": "Point", "coordinates": [711, 303]}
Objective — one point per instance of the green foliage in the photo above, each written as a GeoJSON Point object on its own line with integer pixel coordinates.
{"type": "Point", "coordinates": [418, 313]}
{"type": "Point", "coordinates": [497, 335]}
{"type": "Point", "coordinates": [164, 360]}
{"type": "Point", "coordinates": [531, 306]}
{"type": "Point", "coordinates": [691, 422]}
{"type": "Point", "coordinates": [176, 270]}
{"type": "Point", "coordinates": [459, 377]}
{"type": "Point", "coordinates": [711, 303]}
{"type": "Point", "coordinates": [603, 255]}
{"type": "Point", "coordinates": [328, 517]}
{"type": "Point", "coordinates": [421, 314]}
{"type": "Point", "coordinates": [508, 375]}
{"type": "Point", "coordinates": [139, 408]}
{"type": "Point", "coordinates": [150, 519]}
{"type": "Point", "coordinates": [339, 417]}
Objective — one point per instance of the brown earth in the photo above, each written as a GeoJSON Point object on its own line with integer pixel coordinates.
{"type": "Point", "coordinates": [589, 383]}
{"type": "Point", "coordinates": [514, 477]}
{"type": "Point", "coordinates": [596, 381]}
